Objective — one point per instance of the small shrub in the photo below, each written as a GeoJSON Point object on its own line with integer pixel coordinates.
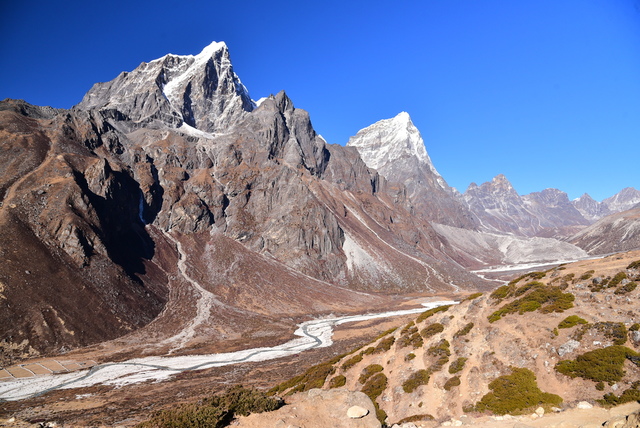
{"type": "Point", "coordinates": [370, 350]}
{"type": "Point", "coordinates": [457, 365]}
{"type": "Point", "coordinates": [629, 395]}
{"type": "Point", "coordinates": [634, 265]}
{"type": "Point", "coordinates": [536, 275]}
{"type": "Point", "coordinates": [599, 365]}
{"type": "Point", "coordinates": [421, 377]}
{"type": "Point", "coordinates": [617, 279]}
{"type": "Point", "coordinates": [411, 337]}
{"type": "Point", "coordinates": [501, 292]}
{"type": "Point", "coordinates": [588, 274]}
{"type": "Point", "coordinates": [614, 331]}
{"type": "Point", "coordinates": [515, 394]}
{"type": "Point", "coordinates": [369, 371]}
{"type": "Point", "coordinates": [635, 327]}
{"type": "Point", "coordinates": [472, 297]}
{"type": "Point", "coordinates": [415, 418]}
{"type": "Point", "coordinates": [429, 313]}
{"type": "Point", "coordinates": [351, 362]}
{"type": "Point", "coordinates": [410, 356]}
{"type": "Point", "coordinates": [431, 330]}
{"type": "Point", "coordinates": [454, 381]}
{"type": "Point", "coordinates": [442, 351]}
{"type": "Point", "coordinates": [384, 345]}
{"type": "Point", "coordinates": [600, 386]}
{"type": "Point", "coordinates": [407, 328]}
{"type": "Point", "coordinates": [627, 288]}
{"type": "Point", "coordinates": [571, 321]}
{"type": "Point", "coordinates": [464, 330]}
{"type": "Point", "coordinates": [337, 382]}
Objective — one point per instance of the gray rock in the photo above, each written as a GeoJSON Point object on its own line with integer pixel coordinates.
{"type": "Point", "coordinates": [568, 347]}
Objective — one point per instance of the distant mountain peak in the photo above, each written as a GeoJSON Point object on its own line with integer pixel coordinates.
{"type": "Point", "coordinates": [391, 139]}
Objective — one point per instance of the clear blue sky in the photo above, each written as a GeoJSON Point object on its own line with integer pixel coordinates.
{"type": "Point", "coordinates": [546, 92]}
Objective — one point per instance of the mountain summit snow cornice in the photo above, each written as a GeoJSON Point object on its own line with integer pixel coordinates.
{"type": "Point", "coordinates": [201, 91]}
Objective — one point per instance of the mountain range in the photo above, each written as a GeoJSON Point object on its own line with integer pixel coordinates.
{"type": "Point", "coordinates": [169, 207]}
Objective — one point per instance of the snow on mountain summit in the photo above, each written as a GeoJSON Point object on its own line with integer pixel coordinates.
{"type": "Point", "coordinates": [390, 139]}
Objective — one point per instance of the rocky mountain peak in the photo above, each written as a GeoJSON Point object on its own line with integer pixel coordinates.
{"type": "Point", "coordinates": [395, 148]}
{"type": "Point", "coordinates": [201, 91]}
{"type": "Point", "coordinates": [624, 200]}
{"type": "Point", "coordinates": [391, 139]}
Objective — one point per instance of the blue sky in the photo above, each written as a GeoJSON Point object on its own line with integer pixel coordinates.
{"type": "Point", "coordinates": [546, 92]}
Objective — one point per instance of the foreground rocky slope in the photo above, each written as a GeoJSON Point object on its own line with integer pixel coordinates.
{"type": "Point", "coordinates": [173, 161]}
{"type": "Point", "coordinates": [549, 339]}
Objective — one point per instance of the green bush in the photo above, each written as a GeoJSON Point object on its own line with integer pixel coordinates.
{"type": "Point", "coordinates": [431, 312]}
{"type": "Point", "coordinates": [617, 279]}
{"type": "Point", "coordinates": [629, 395]}
{"type": "Point", "coordinates": [588, 274]}
{"type": "Point", "coordinates": [410, 337]}
{"type": "Point", "coordinates": [457, 365]}
{"type": "Point", "coordinates": [635, 327]}
{"type": "Point", "coordinates": [410, 356]}
{"type": "Point", "coordinates": [515, 394]}
{"type": "Point", "coordinates": [571, 321]}
{"type": "Point", "coordinates": [634, 265]}
{"type": "Point", "coordinates": [599, 365]}
{"type": "Point", "coordinates": [369, 371]}
{"type": "Point", "coordinates": [627, 288]}
{"type": "Point", "coordinates": [431, 330]}
{"type": "Point", "coordinates": [464, 330]}
{"type": "Point", "coordinates": [384, 345]}
{"type": "Point", "coordinates": [215, 412]}
{"type": "Point", "coordinates": [415, 418]}
{"type": "Point", "coordinates": [454, 381]}
{"type": "Point", "coordinates": [615, 331]}
{"type": "Point", "coordinates": [373, 388]}
{"type": "Point", "coordinates": [442, 351]}
{"type": "Point", "coordinates": [472, 297]}
{"type": "Point", "coordinates": [337, 382]}
{"type": "Point", "coordinates": [501, 292]}
{"type": "Point", "coordinates": [351, 362]}
{"type": "Point", "coordinates": [421, 377]}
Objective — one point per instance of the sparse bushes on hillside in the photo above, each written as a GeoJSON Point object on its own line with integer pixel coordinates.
{"type": "Point", "coordinates": [442, 352]}
{"type": "Point", "coordinates": [515, 394]}
{"type": "Point", "coordinates": [384, 345]}
{"type": "Point", "coordinates": [215, 412]}
{"type": "Point", "coordinates": [599, 365]}
{"type": "Point", "coordinates": [571, 321]}
{"type": "Point", "coordinates": [410, 337]}
{"type": "Point", "coordinates": [421, 377]}
{"type": "Point", "coordinates": [546, 299]}
{"type": "Point", "coordinates": [314, 377]}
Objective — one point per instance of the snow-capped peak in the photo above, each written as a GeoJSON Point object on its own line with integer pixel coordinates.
{"type": "Point", "coordinates": [391, 139]}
